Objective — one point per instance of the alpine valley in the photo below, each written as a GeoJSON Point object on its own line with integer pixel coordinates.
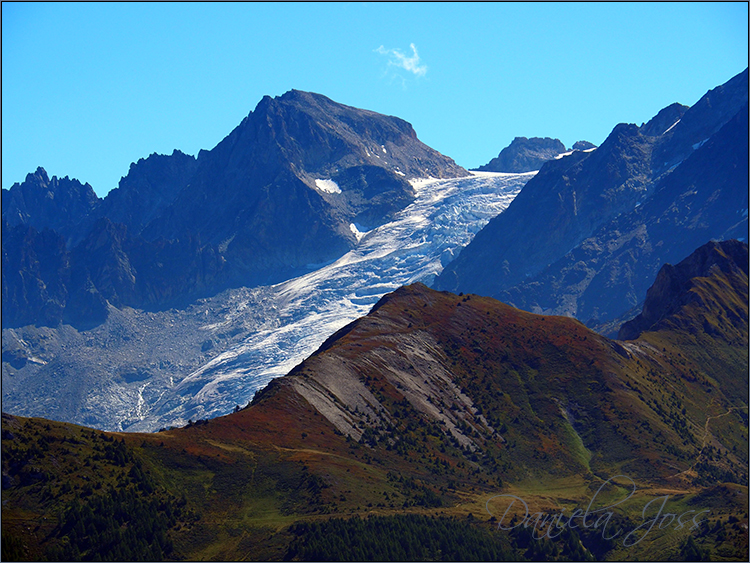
{"type": "Point", "coordinates": [273, 307]}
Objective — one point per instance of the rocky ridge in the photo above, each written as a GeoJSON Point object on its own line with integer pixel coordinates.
{"type": "Point", "coordinates": [58, 204]}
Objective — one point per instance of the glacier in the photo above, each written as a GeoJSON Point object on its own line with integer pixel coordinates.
{"type": "Point", "coordinates": [415, 246]}
{"type": "Point", "coordinates": [145, 370]}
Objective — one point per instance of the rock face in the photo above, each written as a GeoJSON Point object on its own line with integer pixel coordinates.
{"type": "Point", "coordinates": [276, 195]}
{"type": "Point", "coordinates": [524, 155]}
{"type": "Point", "coordinates": [674, 287]}
{"type": "Point", "coordinates": [587, 235]}
{"type": "Point", "coordinates": [151, 185]}
{"type": "Point", "coordinates": [35, 275]}
{"type": "Point", "coordinates": [701, 121]}
{"type": "Point", "coordinates": [45, 283]}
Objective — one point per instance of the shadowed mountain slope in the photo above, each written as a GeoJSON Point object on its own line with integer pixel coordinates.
{"type": "Point", "coordinates": [704, 198]}
{"type": "Point", "coordinates": [567, 200]}
{"type": "Point", "coordinates": [151, 185]}
{"type": "Point", "coordinates": [282, 189]}
{"type": "Point", "coordinates": [587, 235]}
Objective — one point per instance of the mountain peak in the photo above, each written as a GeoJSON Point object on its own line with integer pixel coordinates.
{"type": "Point", "coordinates": [295, 94]}
{"type": "Point", "coordinates": [665, 120]}
{"type": "Point", "coordinates": [583, 146]}
{"type": "Point", "coordinates": [277, 194]}
{"type": "Point", "coordinates": [525, 155]}
{"type": "Point", "coordinates": [319, 137]}
{"type": "Point", "coordinates": [39, 177]}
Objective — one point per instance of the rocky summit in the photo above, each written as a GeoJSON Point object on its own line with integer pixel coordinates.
{"type": "Point", "coordinates": [283, 188]}
{"type": "Point", "coordinates": [59, 204]}
{"type": "Point", "coordinates": [524, 155]}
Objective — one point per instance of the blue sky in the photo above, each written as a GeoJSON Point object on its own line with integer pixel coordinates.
{"type": "Point", "coordinates": [89, 88]}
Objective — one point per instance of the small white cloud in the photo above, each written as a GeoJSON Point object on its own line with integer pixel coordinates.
{"type": "Point", "coordinates": [397, 58]}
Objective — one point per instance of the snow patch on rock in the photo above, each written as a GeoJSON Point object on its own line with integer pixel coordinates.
{"type": "Point", "coordinates": [327, 186]}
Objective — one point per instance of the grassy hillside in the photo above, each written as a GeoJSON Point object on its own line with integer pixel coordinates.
{"type": "Point", "coordinates": [405, 436]}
